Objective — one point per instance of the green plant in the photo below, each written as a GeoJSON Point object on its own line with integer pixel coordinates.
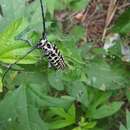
{"type": "Point", "coordinates": [122, 25]}
{"type": "Point", "coordinates": [60, 118]}
{"type": "Point", "coordinates": [122, 127]}
{"type": "Point", "coordinates": [37, 97]}
{"type": "Point", "coordinates": [85, 125]}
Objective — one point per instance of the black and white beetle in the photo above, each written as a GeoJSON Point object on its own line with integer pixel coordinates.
{"type": "Point", "coordinates": [50, 50]}
{"type": "Point", "coordinates": [54, 56]}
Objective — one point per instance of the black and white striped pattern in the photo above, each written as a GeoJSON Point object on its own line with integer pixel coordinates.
{"type": "Point", "coordinates": [53, 54]}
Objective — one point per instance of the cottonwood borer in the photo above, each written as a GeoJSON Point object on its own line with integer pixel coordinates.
{"type": "Point", "coordinates": [50, 50]}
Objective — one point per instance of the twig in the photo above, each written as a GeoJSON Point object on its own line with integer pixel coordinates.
{"type": "Point", "coordinates": [110, 14]}
{"type": "Point", "coordinates": [123, 6]}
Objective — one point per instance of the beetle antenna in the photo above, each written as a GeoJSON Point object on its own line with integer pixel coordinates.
{"type": "Point", "coordinates": [43, 20]}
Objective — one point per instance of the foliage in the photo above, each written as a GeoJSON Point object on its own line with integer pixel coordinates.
{"type": "Point", "coordinates": [10, 47]}
{"type": "Point", "coordinates": [61, 117]}
{"type": "Point", "coordinates": [85, 125]}
{"type": "Point", "coordinates": [37, 97]}
{"type": "Point", "coordinates": [122, 127]}
{"type": "Point", "coordinates": [123, 23]}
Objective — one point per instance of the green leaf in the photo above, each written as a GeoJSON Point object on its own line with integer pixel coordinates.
{"type": "Point", "coordinates": [72, 75]}
{"type": "Point", "coordinates": [79, 4]}
{"type": "Point", "coordinates": [46, 100]}
{"type": "Point", "coordinates": [105, 110]}
{"type": "Point", "coordinates": [122, 127]}
{"type": "Point", "coordinates": [72, 54]}
{"type": "Point", "coordinates": [77, 128]}
{"type": "Point", "coordinates": [33, 13]}
{"type": "Point", "coordinates": [128, 93]}
{"type": "Point", "coordinates": [123, 23]}
{"type": "Point", "coordinates": [60, 124]}
{"type": "Point", "coordinates": [77, 33]}
{"type": "Point", "coordinates": [11, 49]}
{"type": "Point", "coordinates": [68, 117]}
{"type": "Point", "coordinates": [104, 76]}
{"type": "Point", "coordinates": [128, 119]}
{"type": "Point", "coordinates": [79, 91]}
{"type": "Point", "coordinates": [30, 11]}
{"type": "Point", "coordinates": [89, 125]}
{"type": "Point", "coordinates": [54, 5]}
{"type": "Point", "coordinates": [84, 125]}
{"type": "Point", "coordinates": [59, 112]}
{"type": "Point", "coordinates": [55, 80]}
{"type": "Point", "coordinates": [51, 6]}
{"type": "Point", "coordinates": [9, 11]}
{"type": "Point", "coordinates": [18, 113]}
{"type": "Point", "coordinates": [39, 87]}
{"type": "Point", "coordinates": [1, 85]}
{"type": "Point", "coordinates": [97, 98]}
{"type": "Point", "coordinates": [21, 108]}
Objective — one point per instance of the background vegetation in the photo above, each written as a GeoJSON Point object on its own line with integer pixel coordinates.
{"type": "Point", "coordinates": [91, 93]}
